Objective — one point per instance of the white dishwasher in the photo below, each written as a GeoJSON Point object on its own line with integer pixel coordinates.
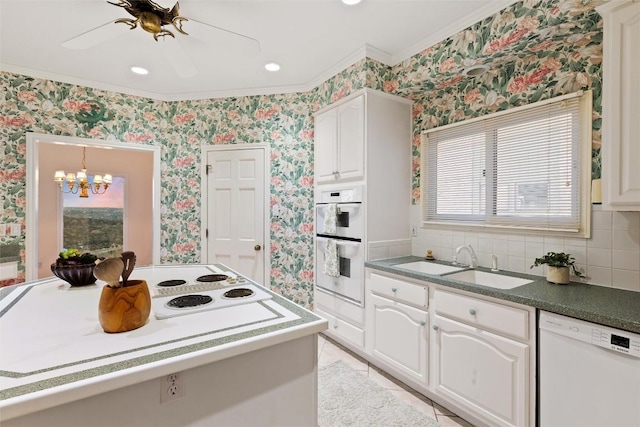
{"type": "Point", "coordinates": [589, 374]}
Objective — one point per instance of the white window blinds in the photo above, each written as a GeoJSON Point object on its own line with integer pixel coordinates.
{"type": "Point", "coordinates": [521, 168]}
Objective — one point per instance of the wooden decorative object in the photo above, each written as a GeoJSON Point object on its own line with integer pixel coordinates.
{"type": "Point", "coordinates": [125, 308]}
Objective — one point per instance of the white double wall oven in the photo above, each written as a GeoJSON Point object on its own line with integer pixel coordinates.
{"type": "Point", "coordinates": [348, 203]}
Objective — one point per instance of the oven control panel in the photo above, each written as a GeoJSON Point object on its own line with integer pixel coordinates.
{"type": "Point", "coordinates": [340, 195]}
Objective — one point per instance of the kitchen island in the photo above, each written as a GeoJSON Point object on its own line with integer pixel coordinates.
{"type": "Point", "coordinates": [249, 364]}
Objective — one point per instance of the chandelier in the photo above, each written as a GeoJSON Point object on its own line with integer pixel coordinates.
{"type": "Point", "coordinates": [79, 182]}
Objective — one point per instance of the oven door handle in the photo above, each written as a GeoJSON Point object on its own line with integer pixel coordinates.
{"type": "Point", "coordinates": [339, 242]}
{"type": "Point", "coordinates": [340, 205]}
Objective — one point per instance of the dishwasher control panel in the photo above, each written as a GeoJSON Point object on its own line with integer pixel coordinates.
{"type": "Point", "coordinates": [618, 341]}
{"type": "Point", "coordinates": [602, 336]}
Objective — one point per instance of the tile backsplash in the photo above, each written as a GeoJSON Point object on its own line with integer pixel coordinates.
{"type": "Point", "coordinates": [611, 257]}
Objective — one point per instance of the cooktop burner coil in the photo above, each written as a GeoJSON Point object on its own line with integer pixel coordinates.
{"type": "Point", "coordinates": [189, 301]}
{"type": "Point", "coordinates": [238, 293]}
{"type": "Point", "coordinates": [212, 278]}
{"type": "Point", "coordinates": [169, 283]}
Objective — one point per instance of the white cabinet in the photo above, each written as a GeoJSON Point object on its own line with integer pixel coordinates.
{"type": "Point", "coordinates": [396, 333]}
{"type": "Point", "coordinates": [483, 358]}
{"type": "Point", "coordinates": [482, 372]}
{"type": "Point", "coordinates": [346, 319]}
{"type": "Point", "coordinates": [326, 146]}
{"type": "Point", "coordinates": [363, 144]}
{"type": "Point", "coordinates": [365, 137]}
{"type": "Point", "coordinates": [339, 142]}
{"type": "Point", "coordinates": [621, 106]}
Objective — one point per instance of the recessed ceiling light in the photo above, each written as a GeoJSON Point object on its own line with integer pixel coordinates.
{"type": "Point", "coordinates": [272, 66]}
{"type": "Point", "coordinates": [351, 2]}
{"type": "Point", "coordinates": [475, 70]}
{"type": "Point", "coordinates": [140, 70]}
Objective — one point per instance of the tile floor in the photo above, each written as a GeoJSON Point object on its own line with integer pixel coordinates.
{"type": "Point", "coordinates": [329, 351]}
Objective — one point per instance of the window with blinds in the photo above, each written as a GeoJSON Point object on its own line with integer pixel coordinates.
{"type": "Point", "coordinates": [528, 167]}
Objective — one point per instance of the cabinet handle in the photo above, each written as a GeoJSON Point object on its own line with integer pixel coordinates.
{"type": "Point", "coordinates": [472, 311]}
{"type": "Point", "coordinates": [422, 323]}
{"type": "Point", "coordinates": [435, 327]}
{"type": "Point", "coordinates": [335, 326]}
{"type": "Point", "coordinates": [394, 290]}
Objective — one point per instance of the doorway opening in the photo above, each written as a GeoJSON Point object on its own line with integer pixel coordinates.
{"type": "Point", "coordinates": [138, 165]}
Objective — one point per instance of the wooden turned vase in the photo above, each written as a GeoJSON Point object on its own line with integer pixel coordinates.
{"type": "Point", "coordinates": [125, 308]}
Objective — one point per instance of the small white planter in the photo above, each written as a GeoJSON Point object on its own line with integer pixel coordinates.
{"type": "Point", "coordinates": [558, 275]}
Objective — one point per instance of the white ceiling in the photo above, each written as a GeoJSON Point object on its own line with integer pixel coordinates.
{"type": "Point", "coordinates": [311, 39]}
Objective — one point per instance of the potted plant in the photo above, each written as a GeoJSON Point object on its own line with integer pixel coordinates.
{"type": "Point", "coordinates": [74, 267]}
{"type": "Point", "coordinates": [559, 265]}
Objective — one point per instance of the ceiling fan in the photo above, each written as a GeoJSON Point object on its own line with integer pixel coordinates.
{"type": "Point", "coordinates": [155, 19]}
{"type": "Point", "coordinates": [151, 17]}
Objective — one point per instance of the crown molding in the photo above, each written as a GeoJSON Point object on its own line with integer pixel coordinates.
{"type": "Point", "coordinates": [40, 74]}
{"type": "Point", "coordinates": [492, 7]}
{"type": "Point", "coordinates": [185, 96]}
{"type": "Point", "coordinates": [366, 51]}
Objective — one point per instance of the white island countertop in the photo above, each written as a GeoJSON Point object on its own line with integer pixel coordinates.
{"type": "Point", "coordinates": [53, 350]}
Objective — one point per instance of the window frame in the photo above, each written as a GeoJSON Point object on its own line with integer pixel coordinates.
{"type": "Point", "coordinates": [484, 221]}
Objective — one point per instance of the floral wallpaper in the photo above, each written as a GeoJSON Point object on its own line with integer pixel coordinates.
{"type": "Point", "coordinates": [536, 49]}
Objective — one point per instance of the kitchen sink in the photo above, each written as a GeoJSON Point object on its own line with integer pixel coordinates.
{"type": "Point", "coordinates": [428, 267]}
{"type": "Point", "coordinates": [489, 279]}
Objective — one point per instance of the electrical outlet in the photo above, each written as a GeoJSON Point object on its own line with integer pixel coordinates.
{"type": "Point", "coordinates": [172, 388]}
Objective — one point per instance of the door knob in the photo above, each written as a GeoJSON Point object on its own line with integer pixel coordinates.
{"type": "Point", "coordinates": [257, 248]}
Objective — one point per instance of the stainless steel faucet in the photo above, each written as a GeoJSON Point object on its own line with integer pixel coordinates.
{"type": "Point", "coordinates": [494, 263]}
{"type": "Point", "coordinates": [472, 255]}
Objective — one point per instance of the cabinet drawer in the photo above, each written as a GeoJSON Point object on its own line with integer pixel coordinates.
{"type": "Point", "coordinates": [339, 307]}
{"type": "Point", "coordinates": [340, 329]}
{"type": "Point", "coordinates": [496, 317]}
{"type": "Point", "coordinates": [398, 290]}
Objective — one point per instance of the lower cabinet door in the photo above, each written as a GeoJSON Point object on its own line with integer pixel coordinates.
{"type": "Point", "coordinates": [482, 372]}
{"type": "Point", "coordinates": [399, 336]}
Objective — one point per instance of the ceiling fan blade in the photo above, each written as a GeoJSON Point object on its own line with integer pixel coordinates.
{"type": "Point", "coordinates": [225, 39]}
{"type": "Point", "coordinates": [93, 37]}
{"type": "Point", "coordinates": [178, 58]}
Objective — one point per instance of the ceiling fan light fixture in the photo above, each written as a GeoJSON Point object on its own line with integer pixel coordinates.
{"type": "Point", "coordinates": [272, 66]}
{"type": "Point", "coordinates": [351, 2]}
{"type": "Point", "coordinates": [139, 70]}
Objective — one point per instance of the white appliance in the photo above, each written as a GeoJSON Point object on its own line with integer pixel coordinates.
{"type": "Point", "coordinates": [188, 290]}
{"type": "Point", "coordinates": [350, 217]}
{"type": "Point", "coordinates": [589, 374]}
{"type": "Point", "coordinates": [348, 237]}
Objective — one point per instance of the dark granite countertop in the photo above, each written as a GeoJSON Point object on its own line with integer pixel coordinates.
{"type": "Point", "coordinates": [617, 308]}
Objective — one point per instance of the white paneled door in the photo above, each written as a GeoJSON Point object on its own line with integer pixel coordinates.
{"type": "Point", "coordinates": [236, 210]}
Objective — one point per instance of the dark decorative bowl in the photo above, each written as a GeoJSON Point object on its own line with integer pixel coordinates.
{"type": "Point", "coordinates": [75, 275]}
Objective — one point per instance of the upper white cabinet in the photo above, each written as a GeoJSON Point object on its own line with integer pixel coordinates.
{"type": "Point", "coordinates": [339, 138]}
{"type": "Point", "coordinates": [326, 146]}
{"type": "Point", "coordinates": [359, 134]}
{"type": "Point", "coordinates": [621, 106]}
